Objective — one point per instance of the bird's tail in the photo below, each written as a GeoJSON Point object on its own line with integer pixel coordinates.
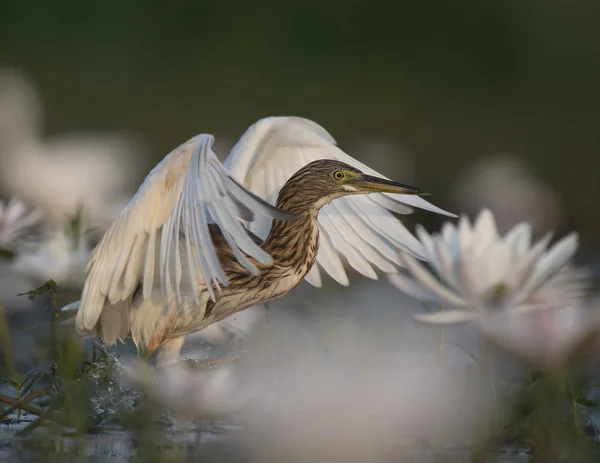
{"type": "Point", "coordinates": [114, 323]}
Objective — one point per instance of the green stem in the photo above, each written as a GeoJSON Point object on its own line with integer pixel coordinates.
{"type": "Point", "coordinates": [5, 342]}
{"type": "Point", "coordinates": [550, 413]}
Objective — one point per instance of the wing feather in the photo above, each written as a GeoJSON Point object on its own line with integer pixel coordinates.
{"type": "Point", "coordinates": [358, 262]}
{"type": "Point", "coordinates": [274, 148]}
{"type": "Point", "coordinates": [185, 192]}
{"type": "Point", "coordinates": [330, 259]}
{"type": "Point", "coordinates": [365, 242]}
{"type": "Point", "coordinates": [314, 276]}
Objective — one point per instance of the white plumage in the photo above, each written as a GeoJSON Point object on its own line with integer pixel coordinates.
{"type": "Point", "coordinates": [361, 229]}
{"type": "Point", "coordinates": [162, 237]}
{"type": "Point", "coordinates": [184, 193]}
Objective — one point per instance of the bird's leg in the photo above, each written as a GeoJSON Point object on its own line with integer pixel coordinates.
{"type": "Point", "coordinates": [169, 352]}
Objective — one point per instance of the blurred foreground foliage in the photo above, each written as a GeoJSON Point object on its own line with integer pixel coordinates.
{"type": "Point", "coordinates": [79, 394]}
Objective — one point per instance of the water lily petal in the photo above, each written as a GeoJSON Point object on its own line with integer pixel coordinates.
{"type": "Point", "coordinates": [429, 282]}
{"type": "Point", "coordinates": [429, 246]}
{"type": "Point", "coordinates": [547, 338]}
{"type": "Point", "coordinates": [496, 262]}
{"type": "Point", "coordinates": [556, 258]}
{"type": "Point", "coordinates": [485, 230]}
{"type": "Point", "coordinates": [447, 317]}
{"type": "Point", "coordinates": [524, 309]}
{"type": "Point", "coordinates": [471, 276]}
{"type": "Point", "coordinates": [464, 231]}
{"type": "Point", "coordinates": [72, 306]}
{"type": "Point", "coordinates": [519, 238]}
{"type": "Point", "coordinates": [446, 259]}
{"type": "Point", "coordinates": [567, 286]}
{"type": "Point", "coordinates": [410, 287]}
{"type": "Point", "coordinates": [518, 277]}
{"type": "Point", "coordinates": [449, 233]}
{"type": "Point", "coordinates": [450, 241]}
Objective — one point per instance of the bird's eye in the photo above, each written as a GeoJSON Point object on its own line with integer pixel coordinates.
{"type": "Point", "coordinates": [338, 175]}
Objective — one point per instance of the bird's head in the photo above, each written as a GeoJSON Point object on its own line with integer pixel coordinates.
{"type": "Point", "coordinates": [322, 181]}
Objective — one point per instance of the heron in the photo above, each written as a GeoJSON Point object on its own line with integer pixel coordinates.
{"type": "Point", "coordinates": [201, 239]}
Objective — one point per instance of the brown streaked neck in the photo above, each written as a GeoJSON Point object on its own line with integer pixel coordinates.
{"type": "Point", "coordinates": [295, 242]}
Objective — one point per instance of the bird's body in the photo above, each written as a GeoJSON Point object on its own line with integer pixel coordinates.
{"type": "Point", "coordinates": [293, 246]}
{"type": "Point", "coordinates": [163, 270]}
{"type": "Point", "coordinates": [245, 289]}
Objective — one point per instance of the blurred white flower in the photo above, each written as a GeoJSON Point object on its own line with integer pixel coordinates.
{"type": "Point", "coordinates": [98, 172]}
{"type": "Point", "coordinates": [362, 404]}
{"type": "Point", "coordinates": [358, 400]}
{"type": "Point", "coordinates": [191, 391]}
{"type": "Point", "coordinates": [474, 270]}
{"type": "Point", "coordinates": [17, 221]}
{"type": "Point", "coordinates": [504, 184]}
{"type": "Point", "coordinates": [357, 406]}
{"type": "Point", "coordinates": [59, 256]}
{"type": "Point", "coordinates": [549, 338]}
{"type": "Point", "coordinates": [38, 252]}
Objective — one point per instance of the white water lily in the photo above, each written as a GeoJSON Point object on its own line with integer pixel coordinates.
{"type": "Point", "coordinates": [59, 254]}
{"type": "Point", "coordinates": [17, 221]}
{"type": "Point", "coordinates": [193, 392]}
{"type": "Point", "coordinates": [59, 174]}
{"type": "Point", "coordinates": [475, 270]}
{"type": "Point", "coordinates": [547, 338]}
{"type": "Point", "coordinates": [57, 258]}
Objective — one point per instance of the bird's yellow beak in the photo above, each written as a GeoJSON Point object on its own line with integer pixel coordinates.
{"type": "Point", "coordinates": [371, 184]}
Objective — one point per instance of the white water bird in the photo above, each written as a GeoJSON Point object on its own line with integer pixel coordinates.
{"type": "Point", "coordinates": [179, 257]}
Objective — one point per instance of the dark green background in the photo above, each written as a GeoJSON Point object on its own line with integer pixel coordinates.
{"type": "Point", "coordinates": [451, 80]}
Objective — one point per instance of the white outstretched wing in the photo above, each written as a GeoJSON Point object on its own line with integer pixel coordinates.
{"type": "Point", "coordinates": [359, 228]}
{"type": "Point", "coordinates": [179, 198]}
